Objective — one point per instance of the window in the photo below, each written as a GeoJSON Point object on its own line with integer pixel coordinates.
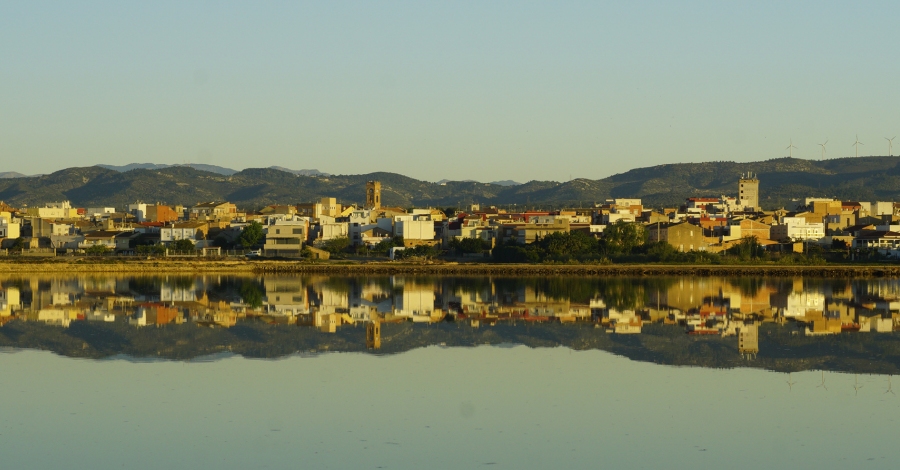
{"type": "Point", "coordinates": [298, 231]}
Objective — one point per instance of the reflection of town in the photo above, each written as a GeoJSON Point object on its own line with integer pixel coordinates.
{"type": "Point", "coordinates": [701, 306]}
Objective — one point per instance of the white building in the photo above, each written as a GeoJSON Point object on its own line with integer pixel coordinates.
{"type": "Point", "coordinates": [94, 212]}
{"type": "Point", "coordinates": [138, 210]}
{"type": "Point", "coordinates": [797, 228]}
{"type": "Point", "coordinates": [8, 228]}
{"type": "Point", "coordinates": [414, 229]}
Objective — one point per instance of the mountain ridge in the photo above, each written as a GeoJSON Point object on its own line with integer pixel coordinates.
{"type": "Point", "coordinates": [783, 182]}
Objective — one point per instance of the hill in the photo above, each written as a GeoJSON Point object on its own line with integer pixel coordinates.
{"type": "Point", "coordinates": [783, 182]}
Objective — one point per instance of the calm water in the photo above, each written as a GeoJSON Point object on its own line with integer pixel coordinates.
{"type": "Point", "coordinates": [430, 372]}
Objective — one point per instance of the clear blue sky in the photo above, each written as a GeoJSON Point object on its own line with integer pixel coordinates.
{"type": "Point", "coordinates": [481, 90]}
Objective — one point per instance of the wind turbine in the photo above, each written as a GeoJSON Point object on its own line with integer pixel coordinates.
{"type": "Point", "coordinates": [857, 144]}
{"type": "Point", "coordinates": [856, 385]}
{"type": "Point", "coordinates": [823, 149]}
{"type": "Point", "coordinates": [790, 382]}
{"type": "Point", "coordinates": [790, 148]}
{"type": "Point", "coordinates": [890, 145]}
{"type": "Point", "coordinates": [890, 387]}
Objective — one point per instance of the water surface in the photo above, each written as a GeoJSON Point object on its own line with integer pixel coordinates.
{"type": "Point", "coordinates": [287, 372]}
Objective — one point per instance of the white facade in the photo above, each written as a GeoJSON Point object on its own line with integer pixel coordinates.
{"type": "Point", "coordinates": [415, 229]}
{"type": "Point", "coordinates": [9, 229]}
{"type": "Point", "coordinates": [330, 231]}
{"type": "Point", "coordinates": [138, 210]}
{"type": "Point", "coordinates": [797, 228]}
{"type": "Point", "coordinates": [171, 234]}
{"type": "Point", "coordinates": [99, 211]}
{"type": "Point", "coordinates": [883, 208]}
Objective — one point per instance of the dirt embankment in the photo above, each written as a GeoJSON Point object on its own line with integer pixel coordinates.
{"type": "Point", "coordinates": [132, 266]}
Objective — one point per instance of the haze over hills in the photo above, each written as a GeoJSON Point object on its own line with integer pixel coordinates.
{"type": "Point", "coordinates": [783, 182]}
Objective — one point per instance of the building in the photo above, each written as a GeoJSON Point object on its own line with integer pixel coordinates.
{"type": "Point", "coordinates": [683, 236]}
{"type": "Point", "coordinates": [527, 233]}
{"type": "Point", "coordinates": [192, 231]}
{"type": "Point", "coordinates": [410, 229]}
{"type": "Point", "coordinates": [373, 195]}
{"type": "Point", "coordinates": [213, 210]}
{"type": "Point", "coordinates": [158, 213]}
{"type": "Point", "coordinates": [8, 228]}
{"type": "Point", "coordinates": [285, 238]}
{"type": "Point", "coordinates": [54, 210]}
{"type": "Point", "coordinates": [138, 210]}
{"type": "Point", "coordinates": [797, 228]}
{"type": "Point", "coordinates": [748, 191]}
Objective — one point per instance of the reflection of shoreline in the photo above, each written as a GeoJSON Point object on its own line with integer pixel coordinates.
{"type": "Point", "coordinates": [719, 318]}
{"type": "Point", "coordinates": [136, 266]}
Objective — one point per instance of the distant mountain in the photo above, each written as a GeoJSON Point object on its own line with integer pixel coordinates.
{"type": "Point", "coordinates": [458, 181]}
{"type": "Point", "coordinates": [300, 172]}
{"type": "Point", "coordinates": [11, 174]}
{"type": "Point", "coordinates": [155, 166]}
{"type": "Point", "coordinates": [134, 166]}
{"type": "Point", "coordinates": [498, 183]}
{"type": "Point", "coordinates": [783, 181]}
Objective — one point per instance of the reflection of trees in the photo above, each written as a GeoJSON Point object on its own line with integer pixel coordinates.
{"type": "Point", "coordinates": [252, 293]}
{"type": "Point", "coordinates": [749, 286]}
{"type": "Point", "coordinates": [616, 292]}
{"type": "Point", "coordinates": [145, 285]}
{"type": "Point", "coordinates": [623, 293]}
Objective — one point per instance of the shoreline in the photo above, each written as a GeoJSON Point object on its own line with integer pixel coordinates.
{"type": "Point", "coordinates": [132, 266]}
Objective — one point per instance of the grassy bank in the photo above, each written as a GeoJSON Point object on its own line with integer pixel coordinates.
{"type": "Point", "coordinates": [144, 266]}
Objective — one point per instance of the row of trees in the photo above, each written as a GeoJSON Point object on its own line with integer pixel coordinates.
{"type": "Point", "coordinates": [619, 240]}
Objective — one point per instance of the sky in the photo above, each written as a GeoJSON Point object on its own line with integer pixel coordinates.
{"type": "Point", "coordinates": [444, 90]}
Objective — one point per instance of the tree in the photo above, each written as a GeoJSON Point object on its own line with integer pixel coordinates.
{"type": "Point", "coordinates": [150, 249]}
{"type": "Point", "coordinates": [469, 245]}
{"type": "Point", "coordinates": [623, 237]}
{"type": "Point", "coordinates": [336, 245]}
{"type": "Point", "coordinates": [183, 245]}
{"type": "Point", "coordinates": [567, 245]}
{"type": "Point", "coordinates": [97, 250]}
{"type": "Point", "coordinates": [748, 248]}
{"type": "Point", "coordinates": [251, 235]}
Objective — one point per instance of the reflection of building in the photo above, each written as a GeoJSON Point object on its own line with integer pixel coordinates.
{"type": "Point", "coordinates": [748, 339]}
{"type": "Point", "coordinates": [9, 301]}
{"type": "Point", "coordinates": [285, 297]}
{"type": "Point", "coordinates": [373, 335]}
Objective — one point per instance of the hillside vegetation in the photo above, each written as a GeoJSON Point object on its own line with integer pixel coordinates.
{"type": "Point", "coordinates": [783, 182]}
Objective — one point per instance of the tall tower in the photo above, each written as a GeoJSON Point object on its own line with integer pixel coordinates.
{"type": "Point", "coordinates": [373, 194]}
{"type": "Point", "coordinates": [748, 191]}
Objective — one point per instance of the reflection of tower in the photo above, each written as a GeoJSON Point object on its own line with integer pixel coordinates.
{"type": "Point", "coordinates": [373, 194]}
{"type": "Point", "coordinates": [373, 335]}
{"type": "Point", "coordinates": [748, 195]}
{"type": "Point", "coordinates": [748, 340]}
